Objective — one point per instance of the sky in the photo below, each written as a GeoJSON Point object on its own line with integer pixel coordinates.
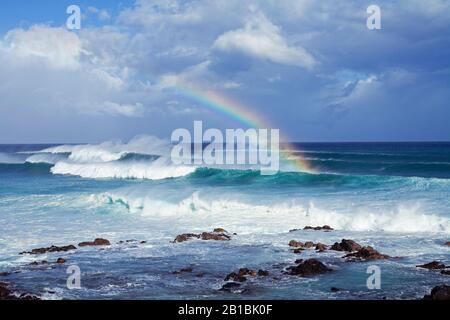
{"type": "Point", "coordinates": [310, 68]}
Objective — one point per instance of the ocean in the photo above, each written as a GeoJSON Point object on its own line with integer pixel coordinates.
{"type": "Point", "coordinates": [394, 197]}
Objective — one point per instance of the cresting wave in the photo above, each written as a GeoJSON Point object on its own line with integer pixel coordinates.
{"type": "Point", "coordinates": [278, 217]}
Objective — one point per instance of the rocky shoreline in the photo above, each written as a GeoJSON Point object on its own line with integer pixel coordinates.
{"type": "Point", "coordinates": [235, 281]}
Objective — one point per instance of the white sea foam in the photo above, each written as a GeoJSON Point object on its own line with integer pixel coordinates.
{"type": "Point", "coordinates": [155, 170]}
{"type": "Point", "coordinates": [280, 216]}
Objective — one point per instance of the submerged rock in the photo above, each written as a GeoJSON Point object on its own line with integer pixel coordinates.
{"type": "Point", "coordinates": [447, 243]}
{"type": "Point", "coordinates": [96, 242]}
{"type": "Point", "coordinates": [230, 286]}
{"type": "Point", "coordinates": [366, 253]}
{"type": "Point", "coordinates": [61, 261]}
{"type": "Point", "coordinates": [346, 245]}
{"type": "Point", "coordinates": [184, 270]}
{"type": "Point", "coordinates": [432, 265]}
{"type": "Point", "coordinates": [309, 267]}
{"type": "Point", "coordinates": [441, 292]}
{"type": "Point", "coordinates": [334, 289]}
{"type": "Point", "coordinates": [445, 272]}
{"type": "Point", "coordinates": [50, 249]}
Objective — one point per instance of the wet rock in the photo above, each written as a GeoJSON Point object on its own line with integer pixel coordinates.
{"type": "Point", "coordinates": [447, 243]}
{"type": "Point", "coordinates": [334, 289]}
{"type": "Point", "coordinates": [233, 276]}
{"type": "Point", "coordinates": [184, 270]}
{"type": "Point", "coordinates": [346, 245]}
{"type": "Point", "coordinates": [61, 261]}
{"type": "Point", "coordinates": [366, 253]}
{"type": "Point", "coordinates": [445, 272]}
{"type": "Point", "coordinates": [309, 267]}
{"type": "Point", "coordinates": [439, 293]}
{"type": "Point", "coordinates": [324, 228]}
{"type": "Point", "coordinates": [263, 273]}
{"type": "Point", "coordinates": [50, 249]}
{"type": "Point", "coordinates": [241, 275]}
{"type": "Point", "coordinates": [96, 242]}
{"type": "Point", "coordinates": [298, 261]}
{"type": "Point", "coordinates": [298, 250]}
{"type": "Point", "coordinates": [309, 244]}
{"type": "Point", "coordinates": [215, 236]}
{"type": "Point", "coordinates": [185, 237]}
{"type": "Point", "coordinates": [5, 293]}
{"type": "Point", "coordinates": [432, 265]}
{"type": "Point", "coordinates": [321, 247]}
{"type": "Point", "coordinates": [230, 286]}
{"type": "Point", "coordinates": [295, 244]}
{"type": "Point", "coordinates": [143, 242]}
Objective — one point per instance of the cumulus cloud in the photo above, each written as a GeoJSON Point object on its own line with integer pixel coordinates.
{"type": "Point", "coordinates": [261, 39]}
{"type": "Point", "coordinates": [56, 47]}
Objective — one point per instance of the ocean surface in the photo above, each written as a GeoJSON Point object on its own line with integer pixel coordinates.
{"type": "Point", "coordinates": [392, 196]}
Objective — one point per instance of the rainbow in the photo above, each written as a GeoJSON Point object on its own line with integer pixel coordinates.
{"type": "Point", "coordinates": [241, 113]}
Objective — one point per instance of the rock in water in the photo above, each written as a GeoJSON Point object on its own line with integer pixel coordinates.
{"type": "Point", "coordinates": [432, 265]}
{"type": "Point", "coordinates": [96, 242]}
{"type": "Point", "coordinates": [309, 267]}
{"type": "Point", "coordinates": [50, 249]}
{"type": "Point", "coordinates": [366, 253]}
{"type": "Point", "coordinates": [346, 245]}
{"type": "Point", "coordinates": [439, 293]}
{"type": "Point", "coordinates": [324, 228]}
{"type": "Point", "coordinates": [295, 244]}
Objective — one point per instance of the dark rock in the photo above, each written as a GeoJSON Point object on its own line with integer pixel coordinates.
{"type": "Point", "coordinates": [241, 275]}
{"type": "Point", "coordinates": [263, 273]}
{"type": "Point", "coordinates": [298, 250]}
{"type": "Point", "coordinates": [324, 228]}
{"type": "Point", "coordinates": [432, 265]}
{"type": "Point", "coordinates": [441, 292]}
{"type": "Point", "coordinates": [366, 253]}
{"type": "Point", "coordinates": [309, 244]}
{"type": "Point", "coordinates": [298, 261]}
{"type": "Point", "coordinates": [445, 272]}
{"type": "Point", "coordinates": [321, 247]}
{"type": "Point", "coordinates": [96, 242]}
{"type": "Point", "coordinates": [220, 230]}
{"type": "Point", "coordinates": [143, 242]}
{"type": "Point", "coordinates": [215, 235]}
{"type": "Point", "coordinates": [50, 249]}
{"type": "Point", "coordinates": [295, 244]}
{"type": "Point", "coordinates": [4, 274]}
{"type": "Point", "coordinates": [200, 275]}
{"type": "Point", "coordinates": [185, 237]}
{"type": "Point", "coordinates": [293, 230]}
{"type": "Point", "coordinates": [61, 261]}
{"type": "Point", "coordinates": [308, 268]}
{"type": "Point", "coordinates": [447, 243]}
{"type": "Point", "coordinates": [334, 289]}
{"type": "Point", "coordinates": [346, 245]}
{"type": "Point", "coordinates": [184, 270]}
{"type": "Point", "coordinates": [5, 293]}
